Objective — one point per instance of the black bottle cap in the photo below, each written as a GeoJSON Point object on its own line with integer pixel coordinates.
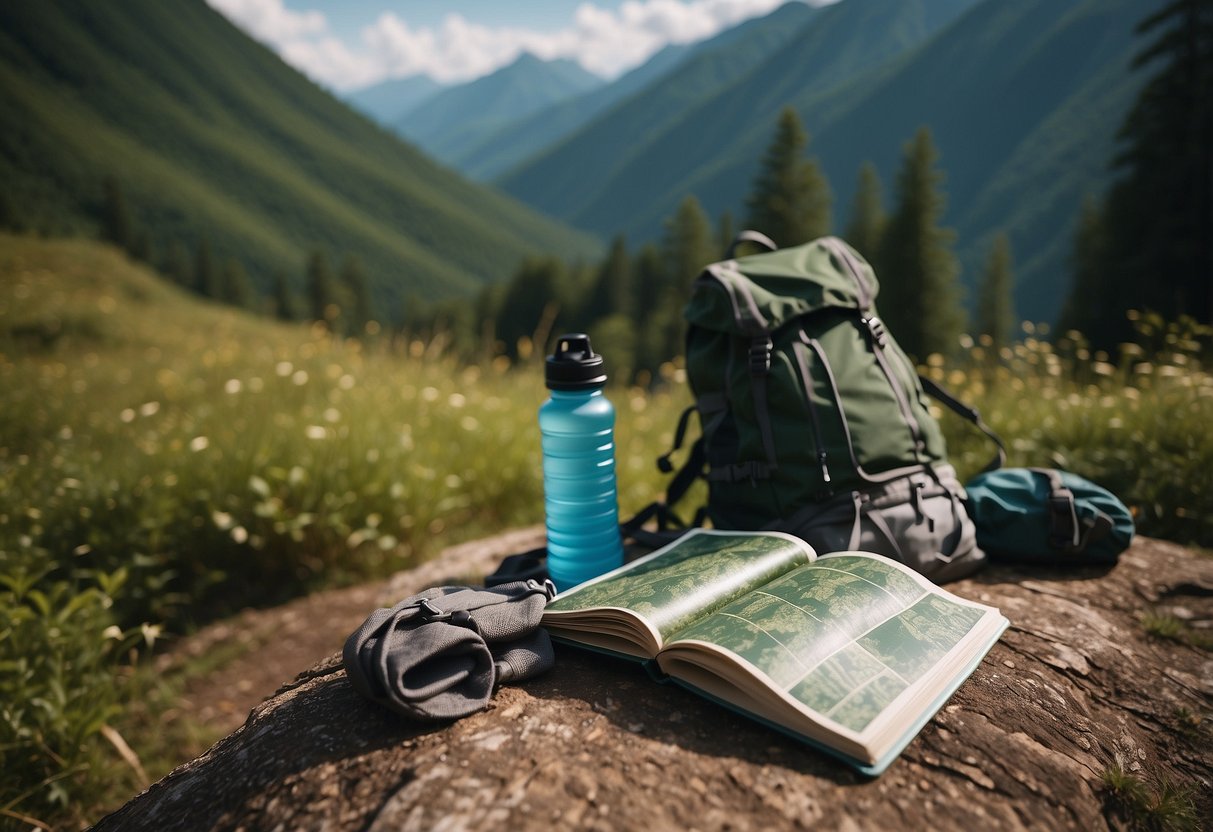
{"type": "Point", "coordinates": [574, 364]}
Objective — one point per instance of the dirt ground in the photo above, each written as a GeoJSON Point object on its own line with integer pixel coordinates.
{"type": "Point", "coordinates": [270, 646]}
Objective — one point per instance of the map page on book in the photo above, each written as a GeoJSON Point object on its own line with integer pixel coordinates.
{"type": "Point", "coordinates": [845, 637]}
{"type": "Point", "coordinates": [680, 583]}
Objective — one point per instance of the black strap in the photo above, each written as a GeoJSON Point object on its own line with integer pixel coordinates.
{"type": "Point", "coordinates": [969, 414]}
{"type": "Point", "coordinates": [669, 524]}
{"type": "Point", "coordinates": [663, 462]}
{"type": "Point", "coordinates": [761, 349]}
{"type": "Point", "coordinates": [1066, 531]}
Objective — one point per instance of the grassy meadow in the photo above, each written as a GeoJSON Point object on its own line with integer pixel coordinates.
{"type": "Point", "coordinates": [164, 461]}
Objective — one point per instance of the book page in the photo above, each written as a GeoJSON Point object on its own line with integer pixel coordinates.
{"type": "Point", "coordinates": [675, 585]}
{"type": "Point", "coordinates": [846, 640]}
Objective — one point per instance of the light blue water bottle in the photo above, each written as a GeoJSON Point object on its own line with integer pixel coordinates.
{"type": "Point", "coordinates": [577, 425]}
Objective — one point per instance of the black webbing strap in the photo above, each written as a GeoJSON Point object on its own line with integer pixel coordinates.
{"type": "Point", "coordinates": [663, 462]}
{"type": "Point", "coordinates": [761, 348]}
{"type": "Point", "coordinates": [669, 524]}
{"type": "Point", "coordinates": [969, 414]}
{"type": "Point", "coordinates": [1066, 532]}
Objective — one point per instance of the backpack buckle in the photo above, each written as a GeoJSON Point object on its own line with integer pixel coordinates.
{"type": "Point", "coordinates": [876, 327]}
{"type": "Point", "coordinates": [428, 613]}
{"type": "Point", "coordinates": [760, 355]}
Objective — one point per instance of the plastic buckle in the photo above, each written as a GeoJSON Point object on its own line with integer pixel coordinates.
{"type": "Point", "coordinates": [429, 611]}
{"type": "Point", "coordinates": [760, 356]}
{"type": "Point", "coordinates": [876, 326]}
{"type": "Point", "coordinates": [1065, 532]}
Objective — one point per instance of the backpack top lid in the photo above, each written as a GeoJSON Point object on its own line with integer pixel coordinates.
{"type": "Point", "coordinates": [763, 291]}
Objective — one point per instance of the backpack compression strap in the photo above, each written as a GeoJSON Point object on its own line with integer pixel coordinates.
{"type": "Point", "coordinates": [969, 414]}
{"type": "Point", "coordinates": [1066, 532]}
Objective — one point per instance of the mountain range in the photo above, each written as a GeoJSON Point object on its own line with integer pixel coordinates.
{"type": "Point", "coordinates": [1023, 98]}
{"type": "Point", "coordinates": [212, 137]}
{"type": "Point", "coordinates": [390, 101]}
{"type": "Point", "coordinates": [451, 123]}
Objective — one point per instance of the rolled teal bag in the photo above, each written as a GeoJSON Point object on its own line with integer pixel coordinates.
{"type": "Point", "coordinates": [1042, 515]}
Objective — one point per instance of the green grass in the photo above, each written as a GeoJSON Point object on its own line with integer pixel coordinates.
{"type": "Point", "coordinates": [1139, 427]}
{"type": "Point", "coordinates": [1166, 807]}
{"type": "Point", "coordinates": [1166, 626]}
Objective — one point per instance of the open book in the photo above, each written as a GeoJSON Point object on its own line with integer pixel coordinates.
{"type": "Point", "coordinates": [850, 652]}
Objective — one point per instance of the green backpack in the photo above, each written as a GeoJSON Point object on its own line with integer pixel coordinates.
{"type": "Point", "coordinates": [813, 420]}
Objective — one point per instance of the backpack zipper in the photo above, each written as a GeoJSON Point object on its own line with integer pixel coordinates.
{"type": "Point", "coordinates": [806, 379]}
{"type": "Point", "coordinates": [815, 346]}
{"type": "Point", "coordinates": [878, 336]}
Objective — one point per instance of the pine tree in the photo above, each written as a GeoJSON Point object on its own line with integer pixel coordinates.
{"type": "Point", "coordinates": [790, 201]}
{"type": "Point", "coordinates": [353, 278]}
{"type": "Point", "coordinates": [610, 292]}
{"type": "Point", "coordinates": [995, 301]}
{"type": "Point", "coordinates": [1158, 216]}
{"type": "Point", "coordinates": [920, 292]}
{"type": "Point", "coordinates": [868, 218]}
{"type": "Point", "coordinates": [530, 305]}
{"type": "Point", "coordinates": [234, 286]}
{"type": "Point", "coordinates": [117, 223]}
{"type": "Point", "coordinates": [1089, 305]}
{"type": "Point", "coordinates": [688, 244]}
{"type": "Point", "coordinates": [319, 281]}
{"type": "Point", "coordinates": [726, 233]}
{"type": "Point", "coordinates": [283, 299]}
{"type": "Point", "coordinates": [206, 274]}
{"type": "Point", "coordinates": [650, 278]}
{"type": "Point", "coordinates": [652, 281]}
{"type": "Point", "coordinates": [176, 265]}
{"type": "Point", "coordinates": [415, 312]}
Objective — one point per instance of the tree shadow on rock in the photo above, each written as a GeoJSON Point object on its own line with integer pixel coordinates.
{"type": "Point", "coordinates": [624, 693]}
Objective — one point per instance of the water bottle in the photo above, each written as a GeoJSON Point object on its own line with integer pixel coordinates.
{"type": "Point", "coordinates": [577, 425]}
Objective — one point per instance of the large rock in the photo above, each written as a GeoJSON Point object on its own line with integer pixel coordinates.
{"type": "Point", "coordinates": [1076, 686]}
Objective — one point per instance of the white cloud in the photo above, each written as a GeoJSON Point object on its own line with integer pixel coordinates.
{"type": "Point", "coordinates": [271, 21]}
{"type": "Point", "coordinates": [604, 41]}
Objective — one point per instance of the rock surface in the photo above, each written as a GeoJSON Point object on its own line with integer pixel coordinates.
{"type": "Point", "coordinates": [1076, 685]}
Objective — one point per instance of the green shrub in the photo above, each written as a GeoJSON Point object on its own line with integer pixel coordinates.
{"type": "Point", "coordinates": [1168, 807]}
{"type": "Point", "coordinates": [59, 648]}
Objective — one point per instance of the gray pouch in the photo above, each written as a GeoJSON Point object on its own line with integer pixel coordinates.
{"type": "Point", "coordinates": [919, 519]}
{"type": "Point", "coordinates": [440, 654]}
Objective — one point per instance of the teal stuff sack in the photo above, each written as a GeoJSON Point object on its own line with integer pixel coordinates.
{"type": "Point", "coordinates": [1042, 515]}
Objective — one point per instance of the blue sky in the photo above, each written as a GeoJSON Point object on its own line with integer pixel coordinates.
{"type": "Point", "coordinates": [348, 44]}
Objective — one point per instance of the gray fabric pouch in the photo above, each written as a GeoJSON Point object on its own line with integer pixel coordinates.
{"type": "Point", "coordinates": [919, 520]}
{"type": "Point", "coordinates": [440, 654]}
